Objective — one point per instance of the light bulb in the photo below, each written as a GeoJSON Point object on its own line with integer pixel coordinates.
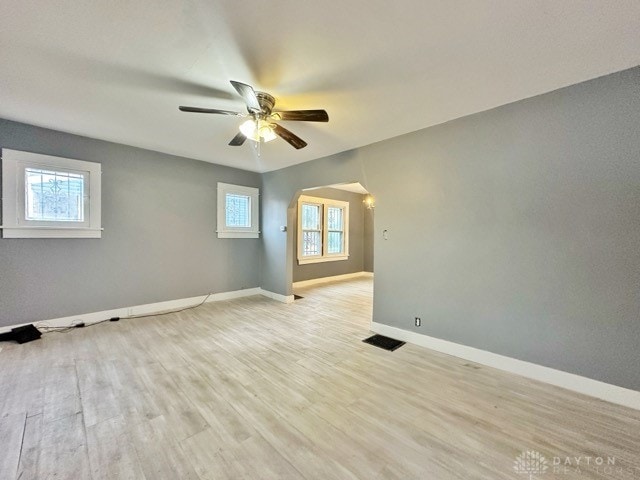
{"type": "Point", "coordinates": [266, 132]}
{"type": "Point", "coordinates": [249, 130]}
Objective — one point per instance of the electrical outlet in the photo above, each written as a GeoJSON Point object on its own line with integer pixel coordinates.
{"type": "Point", "coordinates": [418, 321]}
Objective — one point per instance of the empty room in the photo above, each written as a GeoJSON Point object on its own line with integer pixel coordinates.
{"type": "Point", "coordinates": [320, 240]}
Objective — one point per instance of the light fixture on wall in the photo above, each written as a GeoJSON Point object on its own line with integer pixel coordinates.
{"type": "Point", "coordinates": [258, 130]}
{"type": "Point", "coordinates": [369, 201]}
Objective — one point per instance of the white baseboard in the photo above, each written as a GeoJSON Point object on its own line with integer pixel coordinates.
{"type": "Point", "coordinates": [316, 281]}
{"type": "Point", "coordinates": [570, 381]}
{"type": "Point", "coordinates": [152, 308]}
{"type": "Point", "coordinates": [277, 296]}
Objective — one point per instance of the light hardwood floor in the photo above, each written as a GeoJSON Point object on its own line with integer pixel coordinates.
{"type": "Point", "coordinates": [252, 388]}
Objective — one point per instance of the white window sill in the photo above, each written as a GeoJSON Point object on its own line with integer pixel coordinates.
{"type": "Point", "coordinates": [50, 232]}
{"type": "Point", "coordinates": [238, 234]}
{"type": "Point", "coordinates": [335, 258]}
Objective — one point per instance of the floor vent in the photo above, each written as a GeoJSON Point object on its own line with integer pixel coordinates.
{"type": "Point", "coordinates": [381, 341]}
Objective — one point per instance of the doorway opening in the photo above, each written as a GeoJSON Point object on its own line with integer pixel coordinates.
{"type": "Point", "coordinates": [331, 228]}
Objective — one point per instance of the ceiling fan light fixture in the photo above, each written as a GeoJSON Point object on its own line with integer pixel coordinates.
{"type": "Point", "coordinates": [257, 130]}
{"type": "Point", "coordinates": [262, 125]}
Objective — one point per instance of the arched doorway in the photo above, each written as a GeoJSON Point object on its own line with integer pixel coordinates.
{"type": "Point", "coordinates": [331, 228]}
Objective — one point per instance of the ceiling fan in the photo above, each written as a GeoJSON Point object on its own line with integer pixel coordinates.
{"type": "Point", "coordinates": [262, 124]}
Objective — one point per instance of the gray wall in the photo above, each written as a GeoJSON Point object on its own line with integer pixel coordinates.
{"type": "Point", "coordinates": [355, 263]}
{"type": "Point", "coordinates": [369, 232]}
{"type": "Point", "coordinates": [516, 230]}
{"type": "Point", "coordinates": [159, 241]}
{"type": "Point", "coordinates": [279, 188]}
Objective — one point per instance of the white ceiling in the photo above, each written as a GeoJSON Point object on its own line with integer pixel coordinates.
{"type": "Point", "coordinates": [349, 187]}
{"type": "Point", "coordinates": [117, 70]}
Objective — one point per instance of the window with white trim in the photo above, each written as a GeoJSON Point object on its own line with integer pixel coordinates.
{"type": "Point", "coordinates": [50, 197]}
{"type": "Point", "coordinates": [238, 211]}
{"type": "Point", "coordinates": [323, 230]}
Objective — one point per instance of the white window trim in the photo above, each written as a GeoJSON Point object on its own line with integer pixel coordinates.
{"type": "Point", "coordinates": [15, 225]}
{"type": "Point", "coordinates": [252, 231]}
{"type": "Point", "coordinates": [325, 257]}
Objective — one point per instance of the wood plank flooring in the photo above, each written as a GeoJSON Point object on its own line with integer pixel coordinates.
{"type": "Point", "coordinates": [252, 388]}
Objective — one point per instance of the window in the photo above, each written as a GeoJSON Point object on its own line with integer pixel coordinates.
{"type": "Point", "coordinates": [238, 209]}
{"type": "Point", "coordinates": [49, 197]}
{"type": "Point", "coordinates": [323, 230]}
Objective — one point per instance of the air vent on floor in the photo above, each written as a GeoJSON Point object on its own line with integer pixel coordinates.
{"type": "Point", "coordinates": [381, 341]}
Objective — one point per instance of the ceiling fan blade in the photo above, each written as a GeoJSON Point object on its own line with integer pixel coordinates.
{"type": "Point", "coordinates": [238, 139]}
{"type": "Point", "coordinates": [210, 110]}
{"type": "Point", "coordinates": [248, 94]}
{"type": "Point", "coordinates": [303, 115]}
{"type": "Point", "coordinates": [289, 137]}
